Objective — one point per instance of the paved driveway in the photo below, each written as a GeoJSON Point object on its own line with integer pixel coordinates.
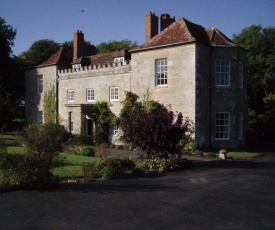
{"type": "Point", "coordinates": [232, 194]}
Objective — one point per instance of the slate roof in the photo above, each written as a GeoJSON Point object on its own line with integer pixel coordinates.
{"type": "Point", "coordinates": [63, 56]}
{"type": "Point", "coordinates": [183, 31]}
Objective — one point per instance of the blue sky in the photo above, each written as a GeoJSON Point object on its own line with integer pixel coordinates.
{"type": "Point", "coordinates": [105, 20]}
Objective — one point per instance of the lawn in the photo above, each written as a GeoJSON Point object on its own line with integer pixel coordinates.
{"type": "Point", "coordinates": [72, 167]}
{"type": "Point", "coordinates": [17, 149]}
{"type": "Point", "coordinates": [9, 136]}
{"type": "Point", "coordinates": [236, 155]}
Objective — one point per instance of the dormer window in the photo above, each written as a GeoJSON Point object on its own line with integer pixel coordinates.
{"type": "Point", "coordinates": [76, 66]}
{"type": "Point", "coordinates": [119, 60]}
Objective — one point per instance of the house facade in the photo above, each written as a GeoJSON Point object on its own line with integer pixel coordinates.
{"type": "Point", "coordinates": [196, 71]}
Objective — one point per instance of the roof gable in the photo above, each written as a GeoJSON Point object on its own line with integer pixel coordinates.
{"type": "Point", "coordinates": [217, 38]}
{"type": "Point", "coordinates": [62, 56]}
{"type": "Point", "coordinates": [183, 31]}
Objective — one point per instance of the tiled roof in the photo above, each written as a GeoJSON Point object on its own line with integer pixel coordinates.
{"type": "Point", "coordinates": [217, 38]}
{"type": "Point", "coordinates": [183, 31]}
{"type": "Point", "coordinates": [63, 56]}
{"type": "Point", "coordinates": [107, 58]}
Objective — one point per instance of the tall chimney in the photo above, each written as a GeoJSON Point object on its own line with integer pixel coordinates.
{"type": "Point", "coordinates": [166, 21]}
{"type": "Point", "coordinates": [151, 26]}
{"type": "Point", "coordinates": [78, 44]}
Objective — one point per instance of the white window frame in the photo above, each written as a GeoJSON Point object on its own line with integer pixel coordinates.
{"type": "Point", "coordinates": [40, 84]}
{"type": "Point", "coordinates": [70, 95]}
{"type": "Point", "coordinates": [119, 60]}
{"type": "Point", "coordinates": [76, 66]}
{"type": "Point", "coordinates": [240, 126]}
{"type": "Point", "coordinates": [90, 95]}
{"type": "Point", "coordinates": [240, 74]}
{"type": "Point", "coordinates": [222, 126]}
{"type": "Point", "coordinates": [114, 93]}
{"type": "Point", "coordinates": [114, 130]}
{"type": "Point", "coordinates": [161, 69]}
{"type": "Point", "coordinates": [222, 72]}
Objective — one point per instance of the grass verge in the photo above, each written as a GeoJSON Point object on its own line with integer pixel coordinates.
{"type": "Point", "coordinates": [72, 167]}
{"type": "Point", "coordinates": [243, 154]}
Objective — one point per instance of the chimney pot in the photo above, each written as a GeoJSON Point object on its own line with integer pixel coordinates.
{"type": "Point", "coordinates": [151, 26]}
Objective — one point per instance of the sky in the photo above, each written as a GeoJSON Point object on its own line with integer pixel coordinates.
{"type": "Point", "coordinates": [106, 20]}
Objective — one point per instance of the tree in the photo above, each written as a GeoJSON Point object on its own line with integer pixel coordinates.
{"type": "Point", "coordinates": [7, 36]}
{"type": "Point", "coordinates": [113, 45]}
{"type": "Point", "coordinates": [11, 77]}
{"type": "Point", "coordinates": [152, 128]}
{"type": "Point", "coordinates": [39, 51]}
{"type": "Point", "coordinates": [259, 42]}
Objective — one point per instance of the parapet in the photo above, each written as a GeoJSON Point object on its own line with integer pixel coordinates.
{"type": "Point", "coordinates": [95, 70]}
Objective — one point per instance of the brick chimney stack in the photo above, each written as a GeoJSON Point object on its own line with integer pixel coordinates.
{"type": "Point", "coordinates": [166, 21]}
{"type": "Point", "coordinates": [151, 26]}
{"type": "Point", "coordinates": [78, 45]}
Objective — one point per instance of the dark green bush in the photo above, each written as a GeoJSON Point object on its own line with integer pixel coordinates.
{"type": "Point", "coordinates": [26, 172]}
{"type": "Point", "coordinates": [190, 146]}
{"type": "Point", "coordinates": [88, 152]}
{"type": "Point", "coordinates": [46, 138]}
{"type": "Point", "coordinates": [34, 169]}
{"type": "Point", "coordinates": [109, 167]}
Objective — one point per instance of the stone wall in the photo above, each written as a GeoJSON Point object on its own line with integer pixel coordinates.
{"type": "Point", "coordinates": [202, 117]}
{"type": "Point", "coordinates": [229, 99]}
{"type": "Point", "coordinates": [100, 79]}
{"type": "Point", "coordinates": [34, 101]}
{"type": "Point", "coordinates": [179, 94]}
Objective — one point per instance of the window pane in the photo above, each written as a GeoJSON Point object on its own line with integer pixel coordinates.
{"type": "Point", "coordinates": [70, 95]}
{"type": "Point", "coordinates": [222, 125]}
{"type": "Point", "coordinates": [40, 84]}
{"type": "Point", "coordinates": [161, 72]}
{"type": "Point", "coordinates": [222, 72]}
{"type": "Point", "coordinates": [114, 94]}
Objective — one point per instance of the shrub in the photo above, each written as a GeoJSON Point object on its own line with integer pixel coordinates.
{"type": "Point", "coordinates": [120, 147]}
{"type": "Point", "coordinates": [91, 170]}
{"type": "Point", "coordinates": [25, 172]}
{"type": "Point", "coordinates": [197, 153]}
{"type": "Point", "coordinates": [102, 150]}
{"type": "Point", "coordinates": [87, 151]}
{"type": "Point", "coordinates": [109, 167]}
{"type": "Point", "coordinates": [46, 138]}
{"type": "Point", "coordinates": [151, 127]}
{"type": "Point", "coordinates": [161, 165]}
{"type": "Point", "coordinates": [190, 146]}
{"type": "Point", "coordinates": [82, 139]}
{"type": "Point", "coordinates": [34, 169]}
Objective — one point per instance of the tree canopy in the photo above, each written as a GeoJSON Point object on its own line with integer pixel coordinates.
{"type": "Point", "coordinates": [38, 51]}
{"type": "Point", "coordinates": [11, 76]}
{"type": "Point", "coordinates": [7, 36]}
{"type": "Point", "coordinates": [113, 45]}
{"type": "Point", "coordinates": [260, 42]}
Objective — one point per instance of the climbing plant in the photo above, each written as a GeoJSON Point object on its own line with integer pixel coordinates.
{"type": "Point", "coordinates": [49, 104]}
{"type": "Point", "coordinates": [103, 117]}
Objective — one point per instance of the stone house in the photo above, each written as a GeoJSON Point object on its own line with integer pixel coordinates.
{"type": "Point", "coordinates": [193, 70]}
